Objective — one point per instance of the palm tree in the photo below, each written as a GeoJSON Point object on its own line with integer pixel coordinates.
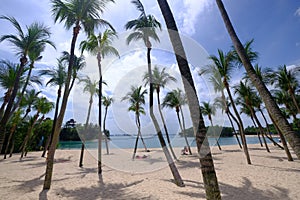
{"type": "Point", "coordinates": [100, 46]}
{"type": "Point", "coordinates": [85, 15]}
{"type": "Point", "coordinates": [136, 98]}
{"type": "Point", "coordinates": [145, 29]}
{"type": "Point", "coordinates": [24, 42]}
{"type": "Point", "coordinates": [209, 110]}
{"type": "Point", "coordinates": [42, 106]}
{"type": "Point", "coordinates": [286, 80]}
{"type": "Point", "coordinates": [57, 78]}
{"type": "Point", "coordinates": [175, 100]}
{"type": "Point", "coordinates": [28, 100]}
{"type": "Point", "coordinates": [248, 98]}
{"type": "Point", "coordinates": [223, 63]}
{"type": "Point", "coordinates": [160, 80]}
{"type": "Point", "coordinates": [282, 123]}
{"type": "Point", "coordinates": [8, 73]}
{"type": "Point", "coordinates": [90, 87]}
{"type": "Point", "coordinates": [207, 165]}
{"type": "Point", "coordinates": [106, 101]}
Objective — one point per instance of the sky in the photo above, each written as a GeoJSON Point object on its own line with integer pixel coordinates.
{"type": "Point", "coordinates": [273, 24]}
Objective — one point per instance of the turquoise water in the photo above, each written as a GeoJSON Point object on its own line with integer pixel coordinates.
{"type": "Point", "coordinates": [151, 142]}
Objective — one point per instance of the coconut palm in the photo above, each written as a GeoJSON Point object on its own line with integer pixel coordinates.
{"type": "Point", "coordinates": [57, 78]}
{"type": "Point", "coordinates": [24, 42]}
{"type": "Point", "coordinates": [209, 110]}
{"type": "Point", "coordinates": [223, 63]}
{"type": "Point", "coordinates": [248, 98]}
{"type": "Point", "coordinates": [160, 80]}
{"type": "Point", "coordinates": [81, 15]}
{"type": "Point", "coordinates": [175, 100]}
{"type": "Point", "coordinates": [106, 102]}
{"type": "Point", "coordinates": [100, 46]}
{"type": "Point", "coordinates": [283, 98]}
{"type": "Point", "coordinates": [136, 98]}
{"type": "Point", "coordinates": [207, 165]}
{"type": "Point", "coordinates": [287, 80]}
{"type": "Point", "coordinates": [91, 88]}
{"type": "Point", "coordinates": [8, 73]}
{"type": "Point", "coordinates": [282, 123]}
{"type": "Point", "coordinates": [42, 106]}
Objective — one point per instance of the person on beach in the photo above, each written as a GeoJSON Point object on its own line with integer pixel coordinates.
{"type": "Point", "coordinates": [184, 151]}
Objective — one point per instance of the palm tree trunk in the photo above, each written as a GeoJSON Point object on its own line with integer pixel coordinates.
{"type": "Point", "coordinates": [172, 166]}
{"type": "Point", "coordinates": [138, 125]}
{"type": "Point", "coordinates": [260, 129]}
{"type": "Point", "coordinates": [85, 130]}
{"type": "Point", "coordinates": [10, 103]}
{"type": "Point", "coordinates": [269, 132]}
{"type": "Point", "coordinates": [28, 135]}
{"type": "Point", "coordinates": [257, 133]}
{"type": "Point", "coordinates": [206, 162]}
{"type": "Point", "coordinates": [51, 152]}
{"type": "Point", "coordinates": [165, 126]}
{"type": "Point", "coordinates": [283, 141]}
{"type": "Point", "coordinates": [5, 101]}
{"type": "Point", "coordinates": [183, 126]}
{"type": "Point", "coordinates": [12, 131]}
{"type": "Point", "coordinates": [295, 101]}
{"type": "Point", "coordinates": [104, 129]}
{"type": "Point", "coordinates": [99, 115]}
{"type": "Point", "coordinates": [241, 126]}
{"type": "Point", "coordinates": [291, 135]}
{"type": "Point", "coordinates": [214, 134]}
{"type": "Point", "coordinates": [233, 129]}
{"type": "Point", "coordinates": [183, 132]}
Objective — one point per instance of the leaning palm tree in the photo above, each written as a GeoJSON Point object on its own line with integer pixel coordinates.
{"type": "Point", "coordinates": [83, 15]}
{"type": "Point", "coordinates": [248, 98]}
{"type": "Point", "coordinates": [57, 78]}
{"type": "Point", "coordinates": [207, 165]}
{"type": "Point", "coordinates": [223, 63]}
{"type": "Point", "coordinates": [106, 102]}
{"type": "Point", "coordinates": [100, 46]}
{"type": "Point", "coordinates": [160, 80]}
{"type": "Point", "coordinates": [209, 110]}
{"type": "Point", "coordinates": [42, 106]}
{"type": "Point", "coordinates": [91, 88]}
{"type": "Point", "coordinates": [136, 98]}
{"type": "Point", "coordinates": [24, 42]}
{"type": "Point", "coordinates": [282, 123]}
{"type": "Point", "coordinates": [175, 100]}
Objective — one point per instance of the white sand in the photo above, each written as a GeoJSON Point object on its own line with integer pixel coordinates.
{"type": "Point", "coordinates": [270, 176]}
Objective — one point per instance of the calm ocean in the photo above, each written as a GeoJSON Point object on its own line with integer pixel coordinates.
{"type": "Point", "coordinates": [152, 142]}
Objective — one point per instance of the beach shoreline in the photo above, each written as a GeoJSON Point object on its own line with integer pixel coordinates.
{"type": "Point", "coordinates": [270, 176]}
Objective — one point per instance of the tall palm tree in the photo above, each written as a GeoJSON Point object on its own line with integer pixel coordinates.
{"type": "Point", "coordinates": [160, 80]}
{"type": "Point", "coordinates": [42, 106]}
{"type": "Point", "coordinates": [223, 63]}
{"type": "Point", "coordinates": [100, 46]}
{"type": "Point", "coordinates": [145, 29]}
{"type": "Point", "coordinates": [106, 102]}
{"type": "Point", "coordinates": [292, 137]}
{"type": "Point", "coordinates": [91, 88]}
{"type": "Point", "coordinates": [136, 98]}
{"type": "Point", "coordinates": [57, 78]}
{"type": "Point", "coordinates": [209, 110]}
{"type": "Point", "coordinates": [81, 15]}
{"type": "Point", "coordinates": [207, 165]}
{"type": "Point", "coordinates": [24, 42]}
{"type": "Point", "coordinates": [175, 100]}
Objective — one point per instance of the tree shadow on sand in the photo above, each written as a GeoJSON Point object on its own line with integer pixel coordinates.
{"type": "Point", "coordinates": [103, 191]}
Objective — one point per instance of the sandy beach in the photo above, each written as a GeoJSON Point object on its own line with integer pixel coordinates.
{"type": "Point", "coordinates": [270, 176]}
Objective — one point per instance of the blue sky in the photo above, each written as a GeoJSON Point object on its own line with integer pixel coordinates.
{"type": "Point", "coordinates": [274, 25]}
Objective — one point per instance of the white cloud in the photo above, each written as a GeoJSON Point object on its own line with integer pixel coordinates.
{"type": "Point", "coordinates": [297, 13]}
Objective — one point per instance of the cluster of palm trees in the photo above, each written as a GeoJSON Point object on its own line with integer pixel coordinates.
{"type": "Point", "coordinates": [85, 16]}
